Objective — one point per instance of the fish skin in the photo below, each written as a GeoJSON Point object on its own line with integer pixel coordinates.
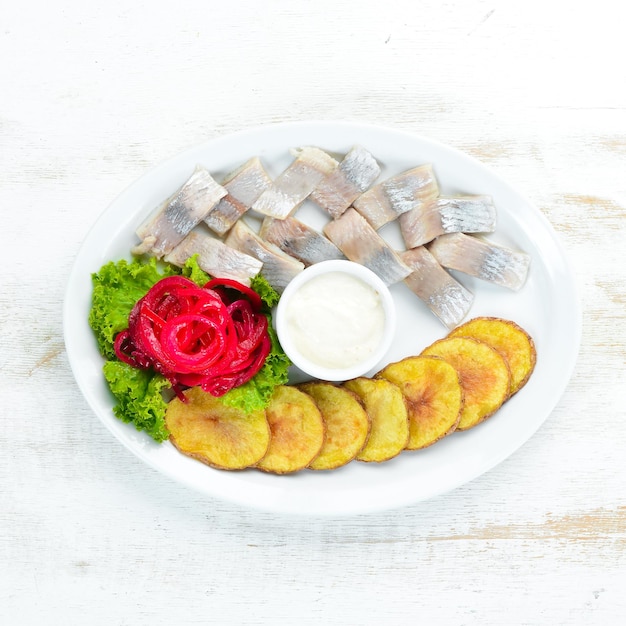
{"type": "Point", "coordinates": [448, 299]}
{"type": "Point", "coordinates": [244, 186]}
{"type": "Point", "coordinates": [352, 234]}
{"type": "Point", "coordinates": [482, 259]}
{"type": "Point", "coordinates": [174, 219]}
{"type": "Point", "coordinates": [278, 267]}
{"type": "Point", "coordinates": [356, 172]}
{"type": "Point", "coordinates": [447, 214]}
{"type": "Point", "coordinates": [215, 258]}
{"type": "Point", "coordinates": [248, 182]}
{"type": "Point", "coordinates": [295, 183]}
{"type": "Point", "coordinates": [299, 240]}
{"type": "Point", "coordinates": [394, 196]}
{"type": "Point", "coordinates": [227, 211]}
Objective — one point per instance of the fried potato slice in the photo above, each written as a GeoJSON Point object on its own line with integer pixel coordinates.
{"type": "Point", "coordinates": [347, 424]}
{"type": "Point", "coordinates": [297, 431]}
{"type": "Point", "coordinates": [433, 394]}
{"type": "Point", "coordinates": [387, 409]}
{"type": "Point", "coordinates": [218, 435]}
{"type": "Point", "coordinates": [483, 372]}
{"type": "Point", "coordinates": [509, 339]}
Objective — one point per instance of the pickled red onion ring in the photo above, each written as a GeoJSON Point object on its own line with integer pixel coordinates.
{"type": "Point", "coordinates": [215, 336]}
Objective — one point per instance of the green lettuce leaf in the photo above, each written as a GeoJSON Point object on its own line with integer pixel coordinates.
{"type": "Point", "coordinates": [268, 294]}
{"type": "Point", "coordinates": [116, 289]}
{"type": "Point", "coordinates": [257, 392]}
{"type": "Point", "coordinates": [192, 270]}
{"type": "Point", "coordinates": [139, 397]}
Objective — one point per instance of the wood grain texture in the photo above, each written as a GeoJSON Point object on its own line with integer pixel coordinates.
{"type": "Point", "coordinates": [95, 96]}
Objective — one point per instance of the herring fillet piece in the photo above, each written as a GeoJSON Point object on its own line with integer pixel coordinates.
{"type": "Point", "coordinates": [295, 183]}
{"type": "Point", "coordinates": [443, 295]}
{"type": "Point", "coordinates": [173, 220]}
{"type": "Point", "coordinates": [356, 172]}
{"type": "Point", "coordinates": [299, 240]}
{"type": "Point", "coordinates": [447, 214]}
{"type": "Point", "coordinates": [215, 258]}
{"type": "Point", "coordinates": [394, 196]}
{"type": "Point", "coordinates": [482, 259]}
{"type": "Point", "coordinates": [361, 243]}
{"type": "Point", "coordinates": [278, 267]}
{"type": "Point", "coordinates": [244, 186]}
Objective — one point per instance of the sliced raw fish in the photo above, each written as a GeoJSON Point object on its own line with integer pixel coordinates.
{"type": "Point", "coordinates": [391, 198]}
{"type": "Point", "coordinates": [215, 258]}
{"type": "Point", "coordinates": [356, 172]}
{"type": "Point", "coordinates": [295, 183]}
{"type": "Point", "coordinates": [441, 293]}
{"type": "Point", "coordinates": [482, 259]}
{"type": "Point", "coordinates": [173, 220]}
{"type": "Point", "coordinates": [361, 243]}
{"type": "Point", "coordinates": [248, 182]}
{"type": "Point", "coordinates": [244, 186]}
{"type": "Point", "coordinates": [299, 240]}
{"type": "Point", "coordinates": [228, 210]}
{"type": "Point", "coordinates": [278, 267]}
{"type": "Point", "coordinates": [447, 214]}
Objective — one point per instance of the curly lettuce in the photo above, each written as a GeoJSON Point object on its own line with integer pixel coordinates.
{"type": "Point", "coordinates": [268, 294]}
{"type": "Point", "coordinates": [116, 289]}
{"type": "Point", "coordinates": [139, 398]}
{"type": "Point", "coordinates": [256, 393]}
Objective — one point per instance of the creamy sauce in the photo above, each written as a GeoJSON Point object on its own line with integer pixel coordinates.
{"type": "Point", "coordinates": [336, 320]}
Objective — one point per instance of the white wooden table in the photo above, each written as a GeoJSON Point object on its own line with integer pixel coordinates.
{"type": "Point", "coordinates": [93, 97]}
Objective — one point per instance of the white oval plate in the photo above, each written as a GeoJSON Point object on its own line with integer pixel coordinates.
{"type": "Point", "coordinates": [547, 307]}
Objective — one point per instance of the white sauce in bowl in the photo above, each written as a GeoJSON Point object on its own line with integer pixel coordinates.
{"type": "Point", "coordinates": [336, 320]}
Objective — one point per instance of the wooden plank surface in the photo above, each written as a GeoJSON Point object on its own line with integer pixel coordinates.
{"type": "Point", "coordinates": [93, 97]}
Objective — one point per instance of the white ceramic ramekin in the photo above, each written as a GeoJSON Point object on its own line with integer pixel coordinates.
{"type": "Point", "coordinates": [316, 370]}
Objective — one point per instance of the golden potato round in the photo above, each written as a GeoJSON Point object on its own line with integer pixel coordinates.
{"type": "Point", "coordinates": [218, 435]}
{"type": "Point", "coordinates": [347, 424]}
{"type": "Point", "coordinates": [484, 375]}
{"type": "Point", "coordinates": [297, 431]}
{"type": "Point", "coordinates": [511, 340]}
{"type": "Point", "coordinates": [387, 409]}
{"type": "Point", "coordinates": [433, 395]}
